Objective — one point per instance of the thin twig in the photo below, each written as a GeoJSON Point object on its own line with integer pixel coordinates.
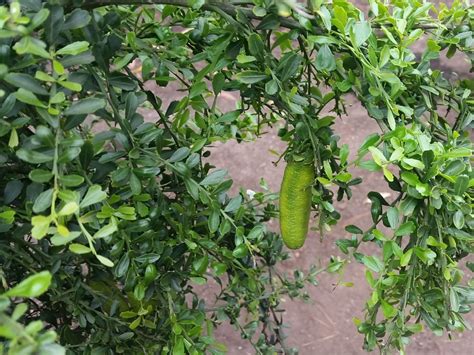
{"type": "Point", "coordinates": [151, 98]}
{"type": "Point", "coordinates": [211, 5]}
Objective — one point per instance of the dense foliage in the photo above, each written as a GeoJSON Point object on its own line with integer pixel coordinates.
{"type": "Point", "coordinates": [123, 218]}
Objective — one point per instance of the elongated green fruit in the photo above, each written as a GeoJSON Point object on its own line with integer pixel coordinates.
{"type": "Point", "coordinates": [295, 203]}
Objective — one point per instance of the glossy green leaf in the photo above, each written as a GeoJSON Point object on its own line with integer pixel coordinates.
{"type": "Point", "coordinates": [79, 248]}
{"type": "Point", "coordinates": [405, 229]}
{"type": "Point", "coordinates": [26, 82]}
{"type": "Point", "coordinates": [250, 77]}
{"type": "Point", "coordinates": [29, 98]}
{"type": "Point", "coordinates": [373, 263]}
{"type": "Point", "coordinates": [94, 195]}
{"type": "Point", "coordinates": [240, 251]}
{"type": "Point", "coordinates": [74, 48]}
{"type": "Point", "coordinates": [105, 231]}
{"type": "Point", "coordinates": [393, 217]}
{"type": "Point", "coordinates": [325, 59]}
{"type": "Point", "coordinates": [216, 177]}
{"type": "Point", "coordinates": [43, 201]}
{"type": "Point", "coordinates": [85, 106]}
{"type": "Point", "coordinates": [30, 45]}
{"type": "Point", "coordinates": [361, 31]}
{"type": "Point", "coordinates": [12, 190]}
{"type": "Point", "coordinates": [33, 286]}
{"type": "Point", "coordinates": [68, 209]}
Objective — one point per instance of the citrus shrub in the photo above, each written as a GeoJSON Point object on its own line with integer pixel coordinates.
{"type": "Point", "coordinates": [110, 223]}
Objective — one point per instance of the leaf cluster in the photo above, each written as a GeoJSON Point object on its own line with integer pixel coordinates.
{"type": "Point", "coordinates": [105, 183]}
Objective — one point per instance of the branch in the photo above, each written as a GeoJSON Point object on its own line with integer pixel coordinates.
{"type": "Point", "coordinates": [210, 5]}
{"type": "Point", "coordinates": [154, 103]}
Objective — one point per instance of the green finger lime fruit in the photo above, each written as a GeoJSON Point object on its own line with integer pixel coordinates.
{"type": "Point", "coordinates": [295, 203]}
